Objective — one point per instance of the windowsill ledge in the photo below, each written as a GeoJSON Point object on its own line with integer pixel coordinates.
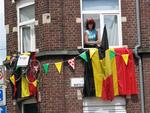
{"type": "Point", "coordinates": [58, 53]}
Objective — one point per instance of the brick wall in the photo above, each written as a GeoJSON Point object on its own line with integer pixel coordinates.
{"type": "Point", "coordinates": [64, 33]}
{"type": "Point", "coordinates": [11, 19]}
{"type": "Point", "coordinates": [145, 23]}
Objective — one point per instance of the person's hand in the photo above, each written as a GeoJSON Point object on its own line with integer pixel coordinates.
{"type": "Point", "coordinates": [98, 45]}
{"type": "Point", "coordinates": [98, 42]}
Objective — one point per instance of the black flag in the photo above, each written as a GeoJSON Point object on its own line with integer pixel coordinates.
{"type": "Point", "coordinates": [104, 44]}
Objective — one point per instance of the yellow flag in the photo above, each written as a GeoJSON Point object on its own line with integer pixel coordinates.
{"type": "Point", "coordinates": [58, 66]}
{"type": "Point", "coordinates": [107, 64]}
{"type": "Point", "coordinates": [92, 51]}
{"type": "Point", "coordinates": [24, 87]}
{"type": "Point", "coordinates": [114, 73]}
{"type": "Point", "coordinates": [8, 57]}
{"type": "Point", "coordinates": [125, 58]}
{"type": "Point", "coordinates": [12, 78]}
{"type": "Point", "coordinates": [97, 73]}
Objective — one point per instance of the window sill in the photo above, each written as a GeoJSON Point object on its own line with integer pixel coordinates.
{"type": "Point", "coordinates": [58, 53]}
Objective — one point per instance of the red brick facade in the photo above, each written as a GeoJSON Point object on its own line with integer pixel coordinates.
{"type": "Point", "coordinates": [63, 33]}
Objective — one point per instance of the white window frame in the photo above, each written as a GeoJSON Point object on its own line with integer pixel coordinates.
{"type": "Point", "coordinates": [29, 101]}
{"type": "Point", "coordinates": [102, 13]}
{"type": "Point", "coordinates": [23, 4]}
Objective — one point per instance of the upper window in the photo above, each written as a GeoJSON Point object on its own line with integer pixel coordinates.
{"type": "Point", "coordinates": [26, 21]}
{"type": "Point", "coordinates": [103, 12]}
{"type": "Point", "coordinates": [27, 13]}
{"type": "Point", "coordinates": [100, 5]}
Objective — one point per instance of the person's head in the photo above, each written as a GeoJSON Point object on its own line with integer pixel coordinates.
{"type": "Point", "coordinates": [90, 24]}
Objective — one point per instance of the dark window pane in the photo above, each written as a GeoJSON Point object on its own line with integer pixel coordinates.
{"type": "Point", "coordinates": [30, 108]}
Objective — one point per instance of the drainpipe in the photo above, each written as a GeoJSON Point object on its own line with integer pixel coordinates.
{"type": "Point", "coordinates": [138, 56]}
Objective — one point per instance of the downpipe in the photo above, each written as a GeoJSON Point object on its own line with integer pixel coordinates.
{"type": "Point", "coordinates": [139, 57]}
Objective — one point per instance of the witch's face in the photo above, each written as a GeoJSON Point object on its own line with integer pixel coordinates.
{"type": "Point", "coordinates": [90, 26]}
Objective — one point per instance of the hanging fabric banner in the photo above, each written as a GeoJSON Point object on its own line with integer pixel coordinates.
{"type": "Point", "coordinates": [114, 71]}
{"type": "Point", "coordinates": [125, 58]}
{"type": "Point", "coordinates": [13, 82]}
{"type": "Point", "coordinates": [45, 68]}
{"type": "Point", "coordinates": [83, 56]}
{"type": "Point", "coordinates": [58, 66]}
{"type": "Point", "coordinates": [92, 51]}
{"type": "Point", "coordinates": [71, 62]}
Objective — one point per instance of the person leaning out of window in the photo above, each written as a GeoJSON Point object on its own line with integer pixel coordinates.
{"type": "Point", "coordinates": [91, 39]}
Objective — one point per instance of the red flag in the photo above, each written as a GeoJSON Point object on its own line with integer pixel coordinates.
{"type": "Point", "coordinates": [126, 73]}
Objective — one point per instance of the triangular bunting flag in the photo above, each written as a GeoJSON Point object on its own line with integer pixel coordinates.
{"type": "Point", "coordinates": [125, 58]}
{"type": "Point", "coordinates": [58, 66]}
{"type": "Point", "coordinates": [92, 51]}
{"type": "Point", "coordinates": [83, 56]}
{"type": "Point", "coordinates": [71, 62]}
{"type": "Point", "coordinates": [8, 57]}
{"type": "Point", "coordinates": [45, 68]}
{"type": "Point", "coordinates": [112, 54]}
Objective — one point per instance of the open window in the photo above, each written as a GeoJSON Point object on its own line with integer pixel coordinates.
{"type": "Point", "coordinates": [104, 12]}
{"type": "Point", "coordinates": [26, 21]}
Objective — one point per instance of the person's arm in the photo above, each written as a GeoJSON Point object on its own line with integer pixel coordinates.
{"type": "Point", "coordinates": [87, 41]}
{"type": "Point", "coordinates": [98, 39]}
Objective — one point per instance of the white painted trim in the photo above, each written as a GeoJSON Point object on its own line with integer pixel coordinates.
{"type": "Point", "coordinates": [82, 27]}
{"type": "Point", "coordinates": [120, 25]}
{"type": "Point", "coordinates": [23, 4]}
{"type": "Point", "coordinates": [27, 22]}
{"type": "Point", "coordinates": [102, 11]}
{"type": "Point", "coordinates": [19, 44]}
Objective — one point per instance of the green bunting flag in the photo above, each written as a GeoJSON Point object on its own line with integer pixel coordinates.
{"type": "Point", "coordinates": [45, 68]}
{"type": "Point", "coordinates": [112, 54]}
{"type": "Point", "coordinates": [83, 56]}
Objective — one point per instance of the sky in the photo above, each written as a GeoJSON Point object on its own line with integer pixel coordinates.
{"type": "Point", "coordinates": [2, 33]}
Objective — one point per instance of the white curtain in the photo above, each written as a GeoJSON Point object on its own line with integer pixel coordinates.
{"type": "Point", "coordinates": [26, 39]}
{"type": "Point", "coordinates": [112, 29]}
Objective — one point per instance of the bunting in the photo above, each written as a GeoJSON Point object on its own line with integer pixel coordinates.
{"type": "Point", "coordinates": [92, 51]}
{"type": "Point", "coordinates": [58, 66]}
{"type": "Point", "coordinates": [83, 56]}
{"type": "Point", "coordinates": [112, 54]}
{"type": "Point", "coordinates": [71, 62]}
{"type": "Point", "coordinates": [125, 58]}
{"type": "Point", "coordinates": [46, 68]}
{"type": "Point", "coordinates": [8, 57]}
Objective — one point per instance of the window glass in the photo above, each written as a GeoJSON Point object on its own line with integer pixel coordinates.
{"type": "Point", "coordinates": [26, 38]}
{"type": "Point", "coordinates": [30, 108]}
{"type": "Point", "coordinates": [111, 22]}
{"type": "Point", "coordinates": [100, 5]}
{"type": "Point", "coordinates": [96, 18]}
{"type": "Point", "coordinates": [27, 13]}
